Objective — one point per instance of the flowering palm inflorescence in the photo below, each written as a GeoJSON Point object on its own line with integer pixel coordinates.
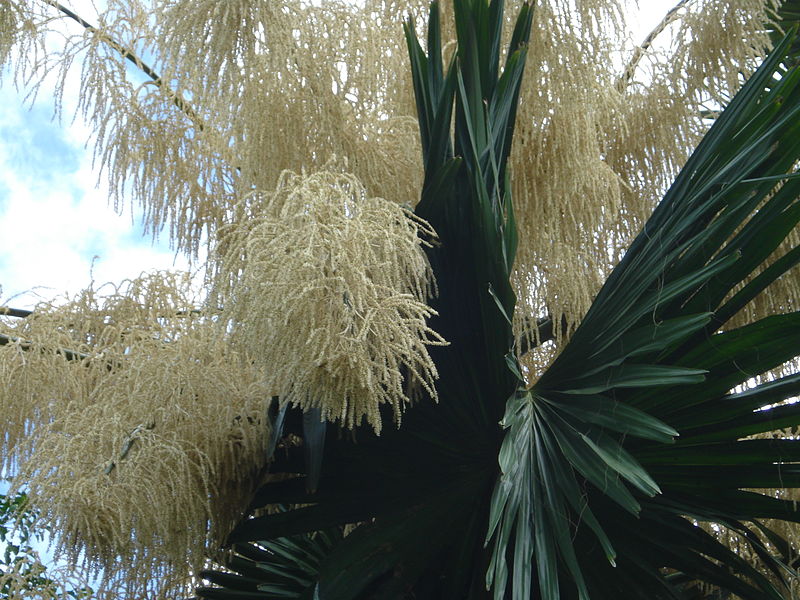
{"type": "Point", "coordinates": [152, 426]}
{"type": "Point", "coordinates": [328, 293]}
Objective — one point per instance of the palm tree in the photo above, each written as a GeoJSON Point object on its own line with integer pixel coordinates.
{"type": "Point", "coordinates": [626, 467]}
{"type": "Point", "coordinates": [614, 472]}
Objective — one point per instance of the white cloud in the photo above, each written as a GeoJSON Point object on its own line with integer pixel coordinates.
{"type": "Point", "coordinates": [54, 221]}
{"type": "Point", "coordinates": [57, 228]}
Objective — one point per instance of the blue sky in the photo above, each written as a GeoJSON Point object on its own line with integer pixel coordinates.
{"type": "Point", "coordinates": [55, 221]}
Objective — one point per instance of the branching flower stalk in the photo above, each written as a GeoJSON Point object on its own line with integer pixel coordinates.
{"type": "Point", "coordinates": [628, 72]}
{"type": "Point", "coordinates": [127, 54]}
{"type": "Point", "coordinates": [173, 409]}
{"type": "Point", "coordinates": [15, 312]}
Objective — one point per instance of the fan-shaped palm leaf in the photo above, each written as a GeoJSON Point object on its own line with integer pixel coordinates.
{"type": "Point", "coordinates": [592, 439]}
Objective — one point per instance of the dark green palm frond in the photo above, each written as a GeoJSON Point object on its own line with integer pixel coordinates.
{"type": "Point", "coordinates": [421, 493]}
{"type": "Point", "coordinates": [788, 16]}
{"type": "Point", "coordinates": [592, 474]}
{"type": "Point", "coordinates": [271, 570]}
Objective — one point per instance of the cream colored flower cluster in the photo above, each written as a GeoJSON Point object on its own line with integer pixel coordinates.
{"type": "Point", "coordinates": [137, 431]}
{"type": "Point", "coordinates": [249, 89]}
{"type": "Point", "coordinates": [327, 290]}
{"type": "Point", "coordinates": [135, 416]}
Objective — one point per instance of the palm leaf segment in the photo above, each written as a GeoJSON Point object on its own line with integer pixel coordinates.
{"type": "Point", "coordinates": [466, 195]}
{"type": "Point", "coordinates": [788, 16]}
{"type": "Point", "coordinates": [589, 475]}
{"type": "Point", "coordinates": [277, 569]}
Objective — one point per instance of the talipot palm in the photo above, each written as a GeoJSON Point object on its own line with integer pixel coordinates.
{"type": "Point", "coordinates": [593, 480]}
{"type": "Point", "coordinates": [400, 369]}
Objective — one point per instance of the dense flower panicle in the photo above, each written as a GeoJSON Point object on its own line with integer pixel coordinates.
{"type": "Point", "coordinates": [326, 288]}
{"type": "Point", "coordinates": [331, 78]}
{"type": "Point", "coordinates": [136, 429]}
{"type": "Point", "coordinates": [596, 147]}
{"type": "Point", "coordinates": [250, 89]}
{"type": "Point", "coordinates": [11, 19]}
{"type": "Point", "coordinates": [33, 580]}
